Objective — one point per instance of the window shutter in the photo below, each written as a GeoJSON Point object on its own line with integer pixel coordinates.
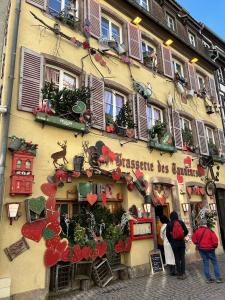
{"type": "Point", "coordinates": [167, 62]}
{"type": "Point", "coordinates": [212, 87]}
{"type": "Point", "coordinates": [132, 102]}
{"type": "Point", "coordinates": [97, 102]}
{"type": "Point", "coordinates": [159, 59]}
{"type": "Point", "coordinates": [142, 119]}
{"type": "Point", "coordinates": [221, 141]}
{"type": "Point", "coordinates": [38, 3]}
{"type": "Point", "coordinates": [134, 42]}
{"type": "Point", "coordinates": [202, 140]}
{"type": "Point", "coordinates": [192, 77]}
{"type": "Point", "coordinates": [94, 16]}
{"type": "Point", "coordinates": [31, 78]}
{"type": "Point", "coordinates": [177, 131]}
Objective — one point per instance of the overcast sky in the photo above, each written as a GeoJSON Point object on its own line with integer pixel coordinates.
{"type": "Point", "coordinates": [210, 12]}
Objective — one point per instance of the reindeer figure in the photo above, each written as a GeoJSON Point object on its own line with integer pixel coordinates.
{"type": "Point", "coordinates": [60, 154]}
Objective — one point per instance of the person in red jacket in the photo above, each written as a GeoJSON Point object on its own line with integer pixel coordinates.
{"type": "Point", "coordinates": [207, 241]}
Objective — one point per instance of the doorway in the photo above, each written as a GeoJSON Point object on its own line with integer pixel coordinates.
{"type": "Point", "coordinates": [220, 203]}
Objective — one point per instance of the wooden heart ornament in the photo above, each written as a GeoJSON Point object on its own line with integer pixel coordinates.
{"type": "Point", "coordinates": [92, 198]}
{"type": "Point", "coordinates": [34, 230]}
{"type": "Point", "coordinates": [37, 205]}
{"type": "Point", "coordinates": [49, 189]}
{"type": "Point", "coordinates": [51, 257]}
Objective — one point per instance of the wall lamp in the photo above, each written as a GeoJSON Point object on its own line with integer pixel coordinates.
{"type": "Point", "coordinates": [168, 42]}
{"type": "Point", "coordinates": [185, 207]}
{"type": "Point", "coordinates": [136, 21]}
{"type": "Point", "coordinates": [13, 211]}
{"type": "Point", "coordinates": [212, 206]}
{"type": "Point", "coordinates": [194, 60]}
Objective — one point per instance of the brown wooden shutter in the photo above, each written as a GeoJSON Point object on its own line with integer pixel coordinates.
{"type": "Point", "coordinates": [94, 16]}
{"type": "Point", "coordinates": [31, 78]}
{"type": "Point", "coordinates": [38, 3]}
{"type": "Point", "coordinates": [159, 59]}
{"type": "Point", "coordinates": [132, 102]}
{"type": "Point", "coordinates": [134, 41]}
{"type": "Point", "coordinates": [221, 141]}
{"type": "Point", "coordinates": [177, 131]}
{"type": "Point", "coordinates": [97, 105]}
{"type": "Point", "coordinates": [192, 77]}
{"type": "Point", "coordinates": [202, 140]}
{"type": "Point", "coordinates": [142, 119]}
{"type": "Point", "coordinates": [167, 62]}
{"type": "Point", "coordinates": [212, 87]}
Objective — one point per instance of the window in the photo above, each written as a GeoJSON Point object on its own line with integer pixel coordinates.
{"type": "Point", "coordinates": [143, 3]}
{"type": "Point", "coordinates": [210, 135]}
{"type": "Point", "coordinates": [201, 82]}
{"type": "Point", "coordinates": [113, 103]}
{"type": "Point", "coordinates": [178, 67]}
{"type": "Point", "coordinates": [61, 78]}
{"type": "Point", "coordinates": [153, 114]}
{"type": "Point", "coordinates": [110, 29]}
{"type": "Point", "coordinates": [205, 44]}
{"type": "Point", "coordinates": [70, 8]}
{"type": "Point", "coordinates": [149, 54]}
{"type": "Point", "coordinates": [185, 123]}
{"type": "Point", "coordinates": [192, 39]}
{"type": "Point", "coordinates": [170, 22]}
{"type": "Point", "coordinates": [220, 73]}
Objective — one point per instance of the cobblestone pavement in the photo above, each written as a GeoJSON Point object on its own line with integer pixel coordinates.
{"type": "Point", "coordinates": [157, 287]}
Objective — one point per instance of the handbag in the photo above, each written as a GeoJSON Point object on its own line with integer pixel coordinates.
{"type": "Point", "coordinates": [199, 240]}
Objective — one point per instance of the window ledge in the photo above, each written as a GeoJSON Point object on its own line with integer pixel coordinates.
{"type": "Point", "coordinates": [162, 147]}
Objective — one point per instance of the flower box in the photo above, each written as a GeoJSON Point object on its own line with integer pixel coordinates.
{"type": "Point", "coordinates": [219, 159]}
{"type": "Point", "coordinates": [60, 122]}
{"type": "Point", "coordinates": [162, 147]}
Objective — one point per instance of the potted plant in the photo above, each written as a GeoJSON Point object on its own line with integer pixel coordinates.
{"type": "Point", "coordinates": [187, 137]}
{"type": "Point", "coordinates": [213, 150]}
{"type": "Point", "coordinates": [124, 121]}
{"type": "Point", "coordinates": [110, 127]}
{"type": "Point", "coordinates": [157, 132]}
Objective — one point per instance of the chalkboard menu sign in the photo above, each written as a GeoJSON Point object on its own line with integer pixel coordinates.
{"type": "Point", "coordinates": [156, 262]}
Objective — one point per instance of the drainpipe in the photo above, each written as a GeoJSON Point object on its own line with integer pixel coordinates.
{"type": "Point", "coordinates": [6, 116]}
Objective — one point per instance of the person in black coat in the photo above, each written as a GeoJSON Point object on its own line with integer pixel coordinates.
{"type": "Point", "coordinates": [178, 246]}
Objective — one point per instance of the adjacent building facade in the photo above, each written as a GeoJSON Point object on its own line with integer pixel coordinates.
{"type": "Point", "coordinates": [162, 69]}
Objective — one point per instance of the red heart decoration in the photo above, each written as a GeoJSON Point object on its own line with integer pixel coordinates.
{"type": "Point", "coordinates": [62, 245]}
{"type": "Point", "coordinates": [102, 247]}
{"type": "Point", "coordinates": [52, 216]}
{"type": "Point", "coordinates": [139, 174]}
{"type": "Point", "coordinates": [49, 189]}
{"type": "Point", "coordinates": [51, 257]}
{"type": "Point", "coordinates": [55, 227]}
{"type": "Point", "coordinates": [77, 254]}
{"type": "Point", "coordinates": [34, 230]}
{"type": "Point", "coordinates": [128, 244]}
{"type": "Point", "coordinates": [86, 252]}
{"type": "Point", "coordinates": [66, 255]}
{"type": "Point", "coordinates": [92, 198]}
{"type": "Point", "coordinates": [180, 178]}
{"type": "Point", "coordinates": [50, 203]}
{"type": "Point", "coordinates": [53, 242]}
{"type": "Point", "coordinates": [188, 161]}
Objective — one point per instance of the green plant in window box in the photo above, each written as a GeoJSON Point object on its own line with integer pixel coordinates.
{"type": "Point", "coordinates": [124, 121]}
{"type": "Point", "coordinates": [213, 150]}
{"type": "Point", "coordinates": [187, 137]}
{"type": "Point", "coordinates": [157, 132]}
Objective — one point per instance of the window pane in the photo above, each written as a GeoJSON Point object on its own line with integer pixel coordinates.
{"type": "Point", "coordinates": [115, 33]}
{"type": "Point", "coordinates": [186, 124]}
{"type": "Point", "coordinates": [149, 116]}
{"type": "Point", "coordinates": [105, 28]}
{"type": "Point", "coordinates": [54, 7]}
{"type": "Point", "coordinates": [109, 103]}
{"type": "Point", "coordinates": [69, 82]}
{"type": "Point", "coordinates": [119, 103]}
{"type": "Point", "coordinates": [143, 47]}
{"type": "Point", "coordinates": [157, 115]}
{"type": "Point", "coordinates": [63, 209]}
{"type": "Point", "coordinates": [52, 75]}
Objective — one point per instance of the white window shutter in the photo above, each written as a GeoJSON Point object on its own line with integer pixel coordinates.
{"type": "Point", "coordinates": [97, 105]}
{"type": "Point", "coordinates": [134, 41]}
{"type": "Point", "coordinates": [202, 140]}
{"type": "Point", "coordinates": [31, 79]}
{"type": "Point", "coordinates": [177, 131]}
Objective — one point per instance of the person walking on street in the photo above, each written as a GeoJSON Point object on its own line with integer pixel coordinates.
{"type": "Point", "coordinates": [176, 231]}
{"type": "Point", "coordinates": [206, 241]}
{"type": "Point", "coordinates": [169, 256]}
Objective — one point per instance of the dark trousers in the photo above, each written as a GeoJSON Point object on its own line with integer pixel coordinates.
{"type": "Point", "coordinates": [161, 248]}
{"type": "Point", "coordinates": [179, 254]}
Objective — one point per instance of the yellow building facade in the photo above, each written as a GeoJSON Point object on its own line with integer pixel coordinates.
{"type": "Point", "coordinates": [60, 53]}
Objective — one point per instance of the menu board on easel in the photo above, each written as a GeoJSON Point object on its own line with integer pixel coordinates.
{"type": "Point", "coordinates": [156, 262]}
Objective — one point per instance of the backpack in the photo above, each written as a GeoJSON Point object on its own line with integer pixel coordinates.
{"type": "Point", "coordinates": [177, 232]}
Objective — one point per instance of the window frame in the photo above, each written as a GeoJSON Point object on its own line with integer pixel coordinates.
{"type": "Point", "coordinates": [207, 129]}
{"type": "Point", "coordinates": [176, 61]}
{"type": "Point", "coordinates": [205, 44]}
{"type": "Point", "coordinates": [111, 21]}
{"type": "Point", "coordinates": [153, 107]}
{"type": "Point", "coordinates": [61, 74]}
{"type": "Point", "coordinates": [151, 45]}
{"type": "Point", "coordinates": [169, 18]}
{"type": "Point", "coordinates": [192, 39]}
{"type": "Point", "coordinates": [200, 76]}
{"type": "Point", "coordinates": [140, 2]}
{"type": "Point", "coordinates": [76, 15]}
{"type": "Point", "coordinates": [221, 75]}
{"type": "Point", "coordinates": [114, 93]}
{"type": "Point", "coordinates": [182, 122]}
